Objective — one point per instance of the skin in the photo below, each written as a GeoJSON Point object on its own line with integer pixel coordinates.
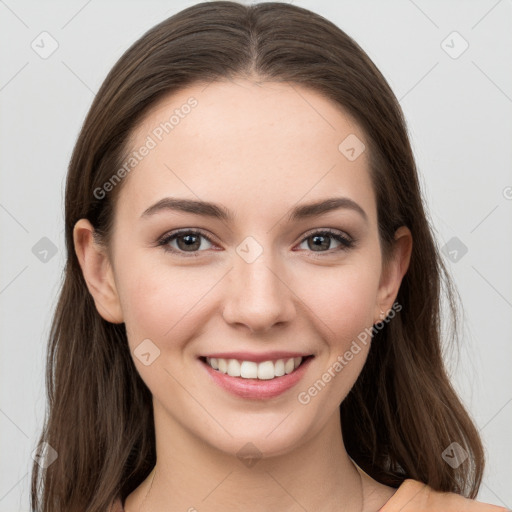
{"type": "Point", "coordinates": [258, 149]}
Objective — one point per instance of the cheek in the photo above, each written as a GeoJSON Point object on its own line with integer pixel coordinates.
{"type": "Point", "coordinates": [161, 303]}
{"type": "Point", "coordinates": [342, 300]}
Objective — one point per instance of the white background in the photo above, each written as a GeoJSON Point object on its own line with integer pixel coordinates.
{"type": "Point", "coordinates": [459, 113]}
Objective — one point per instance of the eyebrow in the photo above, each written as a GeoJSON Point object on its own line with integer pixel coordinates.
{"type": "Point", "coordinates": [216, 211]}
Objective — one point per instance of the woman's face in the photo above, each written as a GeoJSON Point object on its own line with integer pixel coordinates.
{"type": "Point", "coordinates": [257, 283]}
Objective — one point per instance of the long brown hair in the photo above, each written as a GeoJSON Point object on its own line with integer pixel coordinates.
{"type": "Point", "coordinates": [402, 412]}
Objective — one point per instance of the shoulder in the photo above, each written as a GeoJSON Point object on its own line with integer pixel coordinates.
{"type": "Point", "coordinates": [415, 496]}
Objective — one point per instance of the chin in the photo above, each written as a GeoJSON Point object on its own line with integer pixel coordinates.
{"type": "Point", "coordinates": [260, 438]}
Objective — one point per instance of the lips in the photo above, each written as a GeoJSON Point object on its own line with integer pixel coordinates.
{"type": "Point", "coordinates": [256, 388]}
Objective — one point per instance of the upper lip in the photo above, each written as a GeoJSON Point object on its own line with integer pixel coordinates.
{"type": "Point", "coordinates": [257, 358]}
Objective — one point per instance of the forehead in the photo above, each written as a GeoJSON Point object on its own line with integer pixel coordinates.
{"type": "Point", "coordinates": [248, 146]}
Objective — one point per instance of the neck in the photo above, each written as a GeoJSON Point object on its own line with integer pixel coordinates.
{"type": "Point", "coordinates": [192, 475]}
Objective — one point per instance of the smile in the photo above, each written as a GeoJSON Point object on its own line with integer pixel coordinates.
{"type": "Point", "coordinates": [265, 370]}
{"type": "Point", "coordinates": [256, 380]}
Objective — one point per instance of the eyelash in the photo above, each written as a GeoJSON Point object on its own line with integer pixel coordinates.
{"type": "Point", "coordinates": [346, 243]}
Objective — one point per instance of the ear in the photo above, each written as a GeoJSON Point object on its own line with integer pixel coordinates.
{"type": "Point", "coordinates": [97, 272]}
{"type": "Point", "coordinates": [393, 272]}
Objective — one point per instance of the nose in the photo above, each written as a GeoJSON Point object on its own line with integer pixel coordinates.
{"type": "Point", "coordinates": [258, 295]}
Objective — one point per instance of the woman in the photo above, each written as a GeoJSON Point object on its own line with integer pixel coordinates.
{"type": "Point", "coordinates": [251, 309]}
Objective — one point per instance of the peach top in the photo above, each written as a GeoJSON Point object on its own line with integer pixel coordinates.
{"type": "Point", "coordinates": [415, 496]}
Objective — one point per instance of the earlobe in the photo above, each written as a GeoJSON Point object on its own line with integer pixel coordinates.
{"type": "Point", "coordinates": [97, 272]}
{"type": "Point", "coordinates": [395, 270]}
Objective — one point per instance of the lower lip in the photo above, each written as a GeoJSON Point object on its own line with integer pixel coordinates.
{"type": "Point", "coordinates": [254, 388]}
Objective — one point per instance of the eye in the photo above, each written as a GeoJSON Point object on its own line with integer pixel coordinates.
{"type": "Point", "coordinates": [187, 241]}
{"type": "Point", "coordinates": [320, 240]}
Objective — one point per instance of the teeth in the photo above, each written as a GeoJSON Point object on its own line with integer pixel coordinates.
{"type": "Point", "coordinates": [265, 370]}
{"type": "Point", "coordinates": [233, 368]}
{"type": "Point", "coordinates": [223, 365]}
{"type": "Point", "coordinates": [279, 368]}
{"type": "Point", "coordinates": [249, 370]}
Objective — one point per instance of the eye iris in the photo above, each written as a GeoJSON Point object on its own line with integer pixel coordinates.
{"type": "Point", "coordinates": [191, 242]}
{"type": "Point", "coordinates": [318, 242]}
